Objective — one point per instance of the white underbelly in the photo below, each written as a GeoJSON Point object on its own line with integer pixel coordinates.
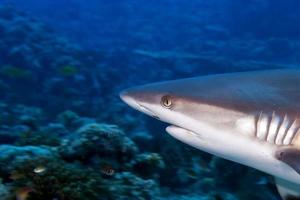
{"type": "Point", "coordinates": [238, 148]}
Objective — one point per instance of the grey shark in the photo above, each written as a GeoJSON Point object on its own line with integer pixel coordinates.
{"type": "Point", "coordinates": [252, 118]}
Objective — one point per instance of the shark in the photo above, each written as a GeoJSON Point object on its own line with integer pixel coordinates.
{"type": "Point", "coordinates": [252, 118]}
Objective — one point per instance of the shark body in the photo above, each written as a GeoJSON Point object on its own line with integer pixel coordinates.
{"type": "Point", "coordinates": [252, 118]}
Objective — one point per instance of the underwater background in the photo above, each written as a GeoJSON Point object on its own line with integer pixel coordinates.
{"type": "Point", "coordinates": [66, 135]}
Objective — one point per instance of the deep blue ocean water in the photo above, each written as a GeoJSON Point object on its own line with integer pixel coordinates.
{"type": "Point", "coordinates": [64, 132]}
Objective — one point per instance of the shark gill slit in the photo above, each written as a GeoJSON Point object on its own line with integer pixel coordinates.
{"type": "Point", "coordinates": [296, 138]}
{"type": "Point", "coordinates": [275, 129]}
{"type": "Point", "coordinates": [262, 126]}
{"type": "Point", "coordinates": [281, 130]}
{"type": "Point", "coordinates": [256, 126]}
{"type": "Point", "coordinates": [269, 120]}
{"type": "Point", "coordinates": [291, 133]}
{"type": "Point", "coordinates": [275, 124]}
{"type": "Point", "coordinates": [291, 122]}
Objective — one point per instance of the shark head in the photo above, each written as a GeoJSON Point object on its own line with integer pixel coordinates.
{"type": "Point", "coordinates": [200, 114]}
{"type": "Point", "coordinates": [187, 106]}
{"type": "Point", "coordinates": [250, 118]}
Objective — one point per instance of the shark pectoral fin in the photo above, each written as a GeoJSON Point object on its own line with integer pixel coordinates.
{"type": "Point", "coordinates": [287, 190]}
{"type": "Point", "coordinates": [290, 156]}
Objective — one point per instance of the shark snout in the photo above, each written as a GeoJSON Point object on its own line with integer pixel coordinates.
{"type": "Point", "coordinates": [135, 100]}
{"type": "Point", "coordinates": [128, 98]}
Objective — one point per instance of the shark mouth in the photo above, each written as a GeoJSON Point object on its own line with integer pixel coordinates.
{"type": "Point", "coordinates": [148, 111]}
{"type": "Point", "coordinates": [172, 129]}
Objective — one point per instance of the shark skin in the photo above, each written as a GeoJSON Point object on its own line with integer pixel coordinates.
{"type": "Point", "coordinates": [252, 118]}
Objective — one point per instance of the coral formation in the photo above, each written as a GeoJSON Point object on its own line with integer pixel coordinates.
{"type": "Point", "coordinates": [12, 155]}
{"type": "Point", "coordinates": [143, 189]}
{"type": "Point", "coordinates": [60, 180]}
{"type": "Point", "coordinates": [47, 173]}
{"type": "Point", "coordinates": [148, 164]}
{"type": "Point", "coordinates": [110, 142]}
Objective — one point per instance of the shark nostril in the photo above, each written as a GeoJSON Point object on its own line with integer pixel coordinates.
{"type": "Point", "coordinates": [132, 99]}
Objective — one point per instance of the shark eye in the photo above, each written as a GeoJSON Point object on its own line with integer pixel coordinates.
{"type": "Point", "coordinates": [166, 101]}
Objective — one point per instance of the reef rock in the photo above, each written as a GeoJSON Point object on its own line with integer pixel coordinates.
{"type": "Point", "coordinates": [133, 187]}
{"type": "Point", "coordinates": [99, 140]}
{"type": "Point", "coordinates": [4, 191]}
{"type": "Point", "coordinates": [12, 155]}
{"type": "Point", "coordinates": [148, 165]}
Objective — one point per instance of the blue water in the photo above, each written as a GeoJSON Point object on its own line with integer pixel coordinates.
{"type": "Point", "coordinates": [64, 132]}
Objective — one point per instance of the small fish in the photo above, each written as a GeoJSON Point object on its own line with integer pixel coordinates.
{"type": "Point", "coordinates": [191, 173]}
{"type": "Point", "coordinates": [39, 169]}
{"type": "Point", "coordinates": [23, 193]}
{"type": "Point", "coordinates": [107, 170]}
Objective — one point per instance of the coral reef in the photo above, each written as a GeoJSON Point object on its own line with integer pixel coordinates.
{"type": "Point", "coordinates": [76, 158]}
{"type": "Point", "coordinates": [64, 134]}
{"type": "Point", "coordinates": [84, 159]}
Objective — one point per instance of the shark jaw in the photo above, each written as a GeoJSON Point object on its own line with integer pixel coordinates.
{"type": "Point", "coordinates": [241, 149]}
